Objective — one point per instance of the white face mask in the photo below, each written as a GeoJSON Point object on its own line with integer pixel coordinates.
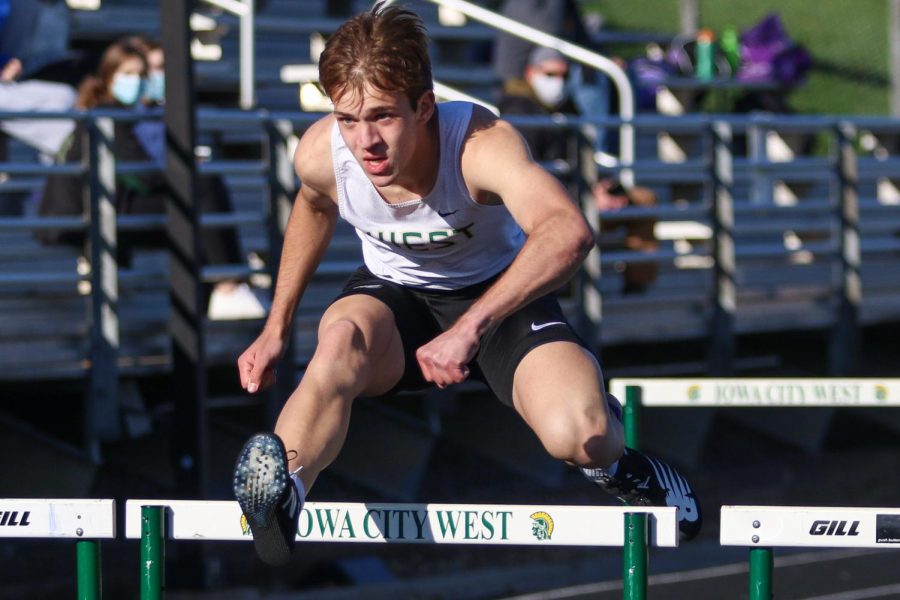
{"type": "Point", "coordinates": [549, 89]}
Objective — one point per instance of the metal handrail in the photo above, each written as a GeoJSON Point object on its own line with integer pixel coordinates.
{"type": "Point", "coordinates": [245, 10]}
{"type": "Point", "coordinates": [573, 52]}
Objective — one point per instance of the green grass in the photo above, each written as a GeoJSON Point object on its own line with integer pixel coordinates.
{"type": "Point", "coordinates": [848, 40]}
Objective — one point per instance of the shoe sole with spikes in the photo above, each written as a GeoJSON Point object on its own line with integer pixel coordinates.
{"type": "Point", "coordinates": [266, 494]}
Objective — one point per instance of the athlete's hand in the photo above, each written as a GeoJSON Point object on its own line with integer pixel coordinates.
{"type": "Point", "coordinates": [256, 366]}
{"type": "Point", "coordinates": [444, 359]}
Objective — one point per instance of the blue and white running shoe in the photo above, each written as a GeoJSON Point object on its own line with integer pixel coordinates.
{"type": "Point", "coordinates": [266, 494]}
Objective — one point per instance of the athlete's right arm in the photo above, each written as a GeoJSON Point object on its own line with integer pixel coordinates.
{"type": "Point", "coordinates": [307, 235]}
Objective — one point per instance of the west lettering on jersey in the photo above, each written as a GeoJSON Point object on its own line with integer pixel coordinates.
{"type": "Point", "coordinates": [424, 240]}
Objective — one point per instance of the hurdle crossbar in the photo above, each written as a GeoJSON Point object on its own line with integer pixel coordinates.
{"type": "Point", "coordinates": [762, 392]}
{"type": "Point", "coordinates": [488, 524]}
{"type": "Point", "coordinates": [633, 528]}
{"type": "Point", "coordinates": [762, 528]}
{"type": "Point", "coordinates": [86, 521]}
{"type": "Point", "coordinates": [733, 392]}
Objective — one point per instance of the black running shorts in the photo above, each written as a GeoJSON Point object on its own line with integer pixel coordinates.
{"type": "Point", "coordinates": [421, 315]}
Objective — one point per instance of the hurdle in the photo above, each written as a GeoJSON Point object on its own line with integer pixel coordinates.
{"type": "Point", "coordinates": [86, 521]}
{"type": "Point", "coordinates": [762, 528]}
{"type": "Point", "coordinates": [632, 528]}
{"type": "Point", "coordinates": [734, 392]}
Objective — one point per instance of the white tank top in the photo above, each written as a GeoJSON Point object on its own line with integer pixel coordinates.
{"type": "Point", "coordinates": [444, 241]}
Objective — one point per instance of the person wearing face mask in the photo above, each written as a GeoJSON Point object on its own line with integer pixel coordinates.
{"type": "Point", "coordinates": [120, 82]}
{"type": "Point", "coordinates": [155, 91]}
{"type": "Point", "coordinates": [540, 91]}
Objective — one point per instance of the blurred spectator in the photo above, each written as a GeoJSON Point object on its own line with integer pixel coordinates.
{"type": "Point", "coordinates": [541, 90]}
{"type": "Point", "coordinates": [589, 91]}
{"type": "Point", "coordinates": [119, 83]}
{"type": "Point", "coordinates": [44, 135]}
{"type": "Point", "coordinates": [37, 33]}
{"type": "Point", "coordinates": [639, 231]}
{"type": "Point", "coordinates": [34, 35]}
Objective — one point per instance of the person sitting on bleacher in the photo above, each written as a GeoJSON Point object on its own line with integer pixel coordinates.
{"type": "Point", "coordinates": [22, 89]}
{"type": "Point", "coordinates": [542, 91]}
{"type": "Point", "coordinates": [119, 83]}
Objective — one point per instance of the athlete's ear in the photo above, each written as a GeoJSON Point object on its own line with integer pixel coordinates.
{"type": "Point", "coordinates": [425, 107]}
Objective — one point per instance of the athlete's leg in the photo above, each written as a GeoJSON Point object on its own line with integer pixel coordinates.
{"type": "Point", "coordinates": [359, 353]}
{"type": "Point", "coordinates": [558, 390]}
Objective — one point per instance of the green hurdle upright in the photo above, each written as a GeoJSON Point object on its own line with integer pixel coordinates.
{"type": "Point", "coordinates": [153, 555]}
{"type": "Point", "coordinates": [631, 415]}
{"type": "Point", "coordinates": [762, 528]}
{"type": "Point", "coordinates": [86, 521]}
{"type": "Point", "coordinates": [632, 528]}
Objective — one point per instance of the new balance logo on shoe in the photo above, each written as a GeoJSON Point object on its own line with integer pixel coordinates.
{"type": "Point", "coordinates": [641, 480]}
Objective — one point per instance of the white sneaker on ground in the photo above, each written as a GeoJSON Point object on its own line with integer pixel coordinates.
{"type": "Point", "coordinates": [233, 304]}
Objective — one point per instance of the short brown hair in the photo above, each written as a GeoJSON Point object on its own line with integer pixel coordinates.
{"type": "Point", "coordinates": [386, 47]}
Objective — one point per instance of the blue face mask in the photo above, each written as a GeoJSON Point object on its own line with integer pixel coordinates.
{"type": "Point", "coordinates": [126, 88]}
{"type": "Point", "coordinates": [156, 87]}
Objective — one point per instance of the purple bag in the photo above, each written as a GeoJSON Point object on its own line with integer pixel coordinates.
{"type": "Point", "coordinates": [647, 75]}
{"type": "Point", "coordinates": [768, 54]}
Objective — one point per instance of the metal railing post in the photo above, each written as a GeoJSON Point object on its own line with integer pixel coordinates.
{"type": "Point", "coordinates": [248, 56]}
{"type": "Point", "coordinates": [281, 189]}
{"type": "Point", "coordinates": [591, 306]}
{"type": "Point", "coordinates": [845, 334]}
{"type": "Point", "coordinates": [246, 13]}
{"type": "Point", "coordinates": [87, 553]}
{"type": "Point", "coordinates": [722, 350]}
{"type": "Point", "coordinates": [153, 553]}
{"type": "Point", "coordinates": [102, 406]}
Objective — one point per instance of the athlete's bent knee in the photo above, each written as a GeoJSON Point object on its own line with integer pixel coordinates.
{"type": "Point", "coordinates": [342, 343]}
{"type": "Point", "coordinates": [583, 440]}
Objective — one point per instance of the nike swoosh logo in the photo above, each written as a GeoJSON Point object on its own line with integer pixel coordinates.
{"type": "Point", "coordinates": [373, 286]}
{"type": "Point", "coordinates": [536, 327]}
{"type": "Point", "coordinates": [447, 214]}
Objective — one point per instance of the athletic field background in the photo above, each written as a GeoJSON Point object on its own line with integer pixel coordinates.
{"type": "Point", "coordinates": [848, 41]}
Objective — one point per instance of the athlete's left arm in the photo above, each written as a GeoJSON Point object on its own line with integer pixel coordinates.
{"type": "Point", "coordinates": [496, 163]}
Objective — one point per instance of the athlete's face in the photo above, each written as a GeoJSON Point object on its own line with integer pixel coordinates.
{"type": "Point", "coordinates": [382, 129]}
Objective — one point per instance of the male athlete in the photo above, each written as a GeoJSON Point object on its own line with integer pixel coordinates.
{"type": "Point", "coordinates": [464, 239]}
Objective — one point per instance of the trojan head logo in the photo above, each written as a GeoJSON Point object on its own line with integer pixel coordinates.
{"type": "Point", "coordinates": [693, 392]}
{"type": "Point", "coordinates": [245, 527]}
{"type": "Point", "coordinates": [881, 393]}
{"type": "Point", "coordinates": [542, 527]}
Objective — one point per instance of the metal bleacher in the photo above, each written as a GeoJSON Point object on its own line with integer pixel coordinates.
{"type": "Point", "coordinates": [739, 200]}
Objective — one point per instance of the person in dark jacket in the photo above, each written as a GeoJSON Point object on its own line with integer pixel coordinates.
{"type": "Point", "coordinates": [542, 91]}
{"type": "Point", "coordinates": [119, 83]}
